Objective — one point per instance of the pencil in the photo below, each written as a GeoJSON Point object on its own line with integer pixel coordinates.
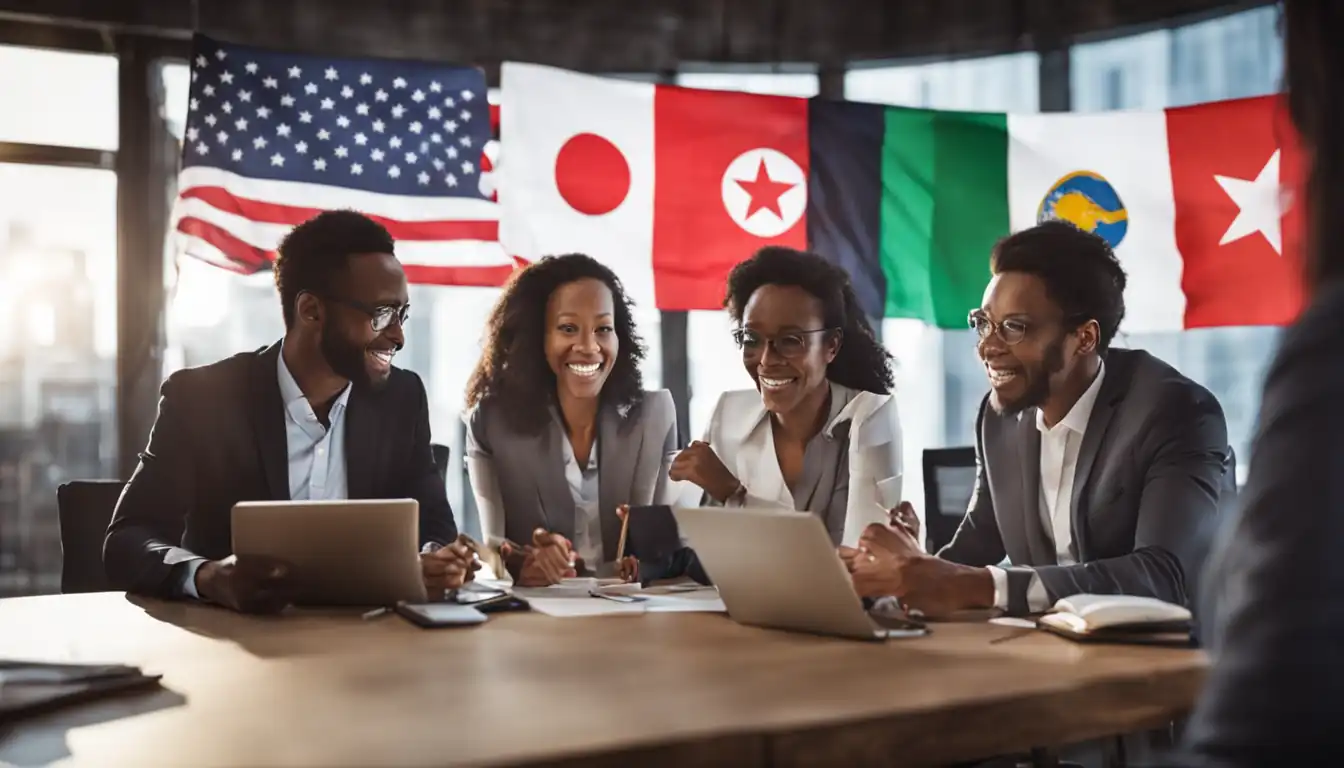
{"type": "Point", "coordinates": [620, 545]}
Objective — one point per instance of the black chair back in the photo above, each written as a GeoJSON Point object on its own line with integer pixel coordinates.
{"type": "Point", "coordinates": [441, 456]}
{"type": "Point", "coordinates": [949, 483]}
{"type": "Point", "coordinates": [85, 508]}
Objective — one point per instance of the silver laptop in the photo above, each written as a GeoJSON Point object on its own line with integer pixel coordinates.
{"type": "Point", "coordinates": [778, 569]}
{"type": "Point", "coordinates": [364, 552]}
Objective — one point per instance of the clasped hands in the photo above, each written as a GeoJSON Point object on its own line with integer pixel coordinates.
{"type": "Point", "coordinates": [888, 562]}
{"type": "Point", "coordinates": [550, 558]}
{"type": "Point", "coordinates": [263, 584]}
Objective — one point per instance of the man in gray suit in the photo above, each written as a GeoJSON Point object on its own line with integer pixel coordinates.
{"type": "Point", "coordinates": [1098, 470]}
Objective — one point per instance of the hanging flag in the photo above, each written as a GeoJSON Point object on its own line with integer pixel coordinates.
{"type": "Point", "coordinates": [673, 186]}
{"type": "Point", "coordinates": [272, 139]}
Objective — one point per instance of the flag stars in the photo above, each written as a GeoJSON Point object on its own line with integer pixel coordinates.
{"type": "Point", "coordinates": [282, 130]}
{"type": "Point", "coordinates": [416, 127]}
{"type": "Point", "coordinates": [227, 108]}
{"type": "Point", "coordinates": [435, 87]}
{"type": "Point", "coordinates": [320, 164]}
{"type": "Point", "coordinates": [424, 147]}
{"type": "Point", "coordinates": [277, 160]}
{"type": "Point", "coordinates": [237, 155]}
{"type": "Point", "coordinates": [323, 134]}
{"type": "Point", "coordinates": [450, 126]}
{"type": "Point", "coordinates": [451, 152]}
{"type": "Point", "coordinates": [251, 67]}
{"type": "Point", "coordinates": [438, 164]}
{"type": "Point", "coordinates": [210, 120]}
{"type": "Point", "coordinates": [398, 111]}
{"type": "Point", "coordinates": [361, 139]}
{"type": "Point", "coordinates": [193, 133]}
{"type": "Point", "coordinates": [310, 89]}
{"type": "Point", "coordinates": [301, 147]}
{"type": "Point", "coordinates": [194, 104]}
{"type": "Point", "coordinates": [376, 155]}
{"type": "Point", "coordinates": [208, 90]}
{"type": "Point", "coordinates": [331, 73]}
{"type": "Point", "coordinates": [448, 102]}
{"type": "Point", "coordinates": [378, 126]}
{"type": "Point", "coordinates": [411, 158]}
{"type": "Point", "coordinates": [357, 169]}
{"type": "Point", "coordinates": [221, 55]}
{"type": "Point", "coordinates": [245, 96]}
{"type": "Point", "coordinates": [465, 141]}
{"type": "Point", "coordinates": [222, 137]}
{"type": "Point", "coordinates": [436, 138]}
{"type": "Point", "coordinates": [287, 100]}
{"type": "Point", "coordinates": [468, 168]}
{"type": "Point", "coordinates": [450, 180]}
{"type": "Point", "coordinates": [380, 95]}
{"type": "Point", "coordinates": [362, 109]}
{"type": "Point", "coordinates": [423, 178]}
{"type": "Point", "coordinates": [240, 123]}
{"type": "Point", "coordinates": [342, 152]}
{"type": "Point", "coordinates": [465, 115]}
{"type": "Point", "coordinates": [259, 142]}
{"type": "Point", "coordinates": [305, 117]}
{"type": "Point", "coordinates": [467, 95]}
{"type": "Point", "coordinates": [435, 113]}
{"type": "Point", "coordinates": [226, 77]}
{"type": "Point", "coordinates": [201, 61]}
{"type": "Point", "coordinates": [418, 96]}
{"type": "Point", "coordinates": [394, 142]}
{"type": "Point", "coordinates": [394, 172]}
{"type": "Point", "coordinates": [263, 112]}
{"type": "Point", "coordinates": [400, 82]}
{"type": "Point", "coordinates": [328, 104]}
{"type": "Point", "coordinates": [343, 121]}
{"type": "Point", "coordinates": [347, 92]}
{"type": "Point", "coordinates": [295, 73]}
{"type": "Point", "coordinates": [271, 83]}
{"type": "Point", "coordinates": [365, 79]}
{"type": "Point", "coordinates": [202, 149]}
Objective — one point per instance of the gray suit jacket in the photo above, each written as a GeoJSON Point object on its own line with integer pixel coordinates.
{"type": "Point", "coordinates": [1154, 469]}
{"type": "Point", "coordinates": [1272, 599]}
{"type": "Point", "coordinates": [519, 479]}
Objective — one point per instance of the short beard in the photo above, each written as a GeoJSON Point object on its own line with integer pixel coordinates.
{"type": "Point", "coordinates": [1038, 390]}
{"type": "Point", "coordinates": [344, 359]}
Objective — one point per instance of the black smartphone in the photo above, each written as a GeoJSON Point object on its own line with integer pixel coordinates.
{"type": "Point", "coordinates": [437, 615]}
{"type": "Point", "coordinates": [496, 602]}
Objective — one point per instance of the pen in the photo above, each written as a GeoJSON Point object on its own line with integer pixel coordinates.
{"type": "Point", "coordinates": [620, 544]}
{"type": "Point", "coordinates": [375, 613]}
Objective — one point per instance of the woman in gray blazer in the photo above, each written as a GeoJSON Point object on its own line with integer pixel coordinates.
{"type": "Point", "coordinates": [560, 432]}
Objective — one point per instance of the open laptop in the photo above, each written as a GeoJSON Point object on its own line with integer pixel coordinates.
{"type": "Point", "coordinates": [778, 569]}
{"type": "Point", "coordinates": [351, 552]}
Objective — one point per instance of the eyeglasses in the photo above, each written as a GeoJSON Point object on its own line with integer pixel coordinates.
{"type": "Point", "coordinates": [381, 316]}
{"type": "Point", "coordinates": [1011, 331]}
{"type": "Point", "coordinates": [786, 344]}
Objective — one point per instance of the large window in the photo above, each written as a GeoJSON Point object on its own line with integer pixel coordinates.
{"type": "Point", "coordinates": [58, 239]}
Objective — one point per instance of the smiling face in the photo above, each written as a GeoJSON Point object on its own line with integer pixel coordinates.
{"type": "Point", "coordinates": [1026, 372]}
{"type": "Point", "coordinates": [373, 284]}
{"type": "Point", "coordinates": [785, 347]}
{"type": "Point", "coordinates": [581, 341]}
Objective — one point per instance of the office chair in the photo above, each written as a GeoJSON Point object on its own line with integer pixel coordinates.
{"type": "Point", "coordinates": [949, 483]}
{"type": "Point", "coordinates": [85, 508]}
{"type": "Point", "coordinates": [441, 456]}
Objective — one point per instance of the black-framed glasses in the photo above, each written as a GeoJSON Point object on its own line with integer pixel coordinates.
{"type": "Point", "coordinates": [792, 344]}
{"type": "Point", "coordinates": [1011, 331]}
{"type": "Point", "coordinates": [380, 316]}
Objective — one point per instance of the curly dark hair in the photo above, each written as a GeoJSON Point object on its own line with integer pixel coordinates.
{"type": "Point", "coordinates": [1079, 269]}
{"type": "Point", "coordinates": [862, 362]}
{"type": "Point", "coordinates": [318, 248]}
{"type": "Point", "coordinates": [513, 371]}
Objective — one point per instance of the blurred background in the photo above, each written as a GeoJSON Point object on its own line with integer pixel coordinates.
{"type": "Point", "coordinates": [93, 98]}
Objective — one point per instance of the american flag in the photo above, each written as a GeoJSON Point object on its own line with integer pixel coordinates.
{"type": "Point", "coordinates": [274, 138]}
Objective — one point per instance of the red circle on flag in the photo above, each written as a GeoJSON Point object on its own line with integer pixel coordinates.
{"type": "Point", "coordinates": [592, 174]}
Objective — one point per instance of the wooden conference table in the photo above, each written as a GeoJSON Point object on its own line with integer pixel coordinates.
{"type": "Point", "coordinates": [687, 689]}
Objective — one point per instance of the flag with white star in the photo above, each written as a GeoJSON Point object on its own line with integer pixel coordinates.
{"type": "Point", "coordinates": [274, 138]}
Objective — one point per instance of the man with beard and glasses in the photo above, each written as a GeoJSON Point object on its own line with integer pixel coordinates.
{"type": "Point", "coordinates": [1099, 470]}
{"type": "Point", "coordinates": [321, 414]}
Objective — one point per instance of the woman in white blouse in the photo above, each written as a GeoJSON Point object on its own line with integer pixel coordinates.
{"type": "Point", "coordinates": [560, 432]}
{"type": "Point", "coordinates": [820, 432]}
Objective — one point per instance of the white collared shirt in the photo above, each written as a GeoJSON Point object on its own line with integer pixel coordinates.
{"type": "Point", "coordinates": [1059, 462]}
{"type": "Point", "coordinates": [584, 488]}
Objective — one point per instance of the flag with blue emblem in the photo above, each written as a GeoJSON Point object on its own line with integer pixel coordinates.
{"type": "Point", "coordinates": [272, 139]}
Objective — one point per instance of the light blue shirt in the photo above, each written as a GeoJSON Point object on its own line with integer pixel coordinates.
{"type": "Point", "coordinates": [317, 468]}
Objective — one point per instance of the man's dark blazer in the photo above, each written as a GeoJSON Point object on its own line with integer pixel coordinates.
{"type": "Point", "coordinates": [220, 438]}
{"type": "Point", "coordinates": [1154, 471]}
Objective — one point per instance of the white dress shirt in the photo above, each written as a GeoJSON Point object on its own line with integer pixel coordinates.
{"type": "Point", "coordinates": [1059, 460]}
{"type": "Point", "coordinates": [316, 454]}
{"type": "Point", "coordinates": [584, 487]}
